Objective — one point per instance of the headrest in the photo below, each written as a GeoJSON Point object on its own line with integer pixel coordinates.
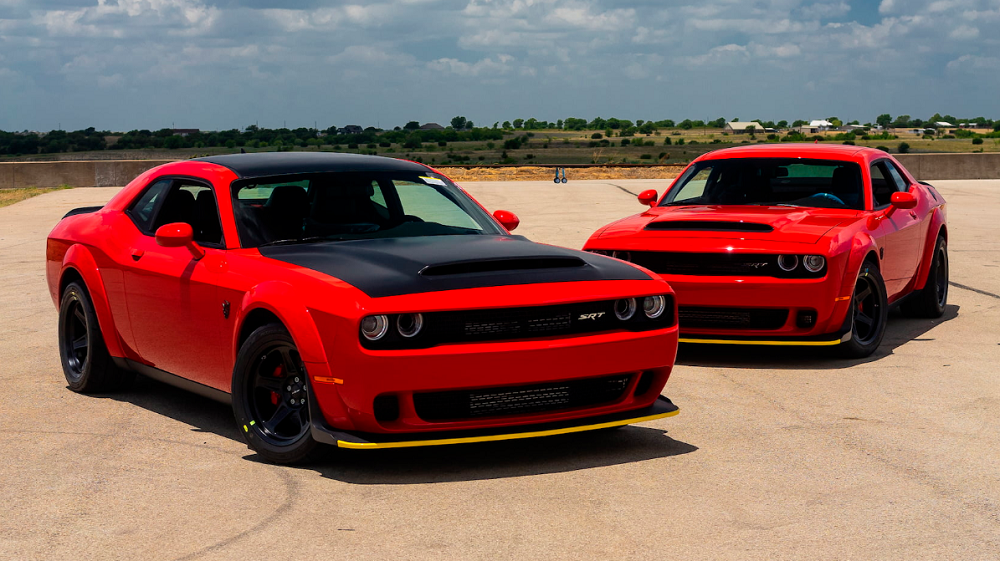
{"type": "Point", "coordinates": [287, 195]}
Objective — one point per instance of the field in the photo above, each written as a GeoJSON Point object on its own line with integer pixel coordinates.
{"type": "Point", "coordinates": [548, 147]}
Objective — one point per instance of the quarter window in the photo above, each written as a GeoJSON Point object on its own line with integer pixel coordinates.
{"type": "Point", "coordinates": [144, 208]}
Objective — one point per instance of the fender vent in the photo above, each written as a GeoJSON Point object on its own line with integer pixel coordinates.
{"type": "Point", "coordinates": [499, 265]}
{"type": "Point", "coordinates": [709, 225]}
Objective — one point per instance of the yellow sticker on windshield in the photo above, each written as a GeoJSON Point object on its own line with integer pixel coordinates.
{"type": "Point", "coordinates": [432, 180]}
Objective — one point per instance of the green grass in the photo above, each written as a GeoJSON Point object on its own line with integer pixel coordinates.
{"type": "Point", "coordinates": [11, 196]}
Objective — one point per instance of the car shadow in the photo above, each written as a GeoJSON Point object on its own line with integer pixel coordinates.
{"type": "Point", "coordinates": [461, 462]}
{"type": "Point", "coordinates": [499, 460]}
{"type": "Point", "coordinates": [899, 330]}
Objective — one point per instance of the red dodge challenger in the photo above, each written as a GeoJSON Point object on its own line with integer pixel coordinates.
{"type": "Point", "coordinates": [358, 301]}
{"type": "Point", "coordinates": [791, 245]}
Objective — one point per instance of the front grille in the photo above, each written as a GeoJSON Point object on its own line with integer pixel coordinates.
{"type": "Point", "coordinates": [708, 264]}
{"type": "Point", "coordinates": [731, 318]}
{"type": "Point", "coordinates": [520, 323]}
{"type": "Point", "coordinates": [519, 400]}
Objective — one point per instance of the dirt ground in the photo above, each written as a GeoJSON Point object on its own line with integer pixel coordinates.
{"type": "Point", "coordinates": [776, 454]}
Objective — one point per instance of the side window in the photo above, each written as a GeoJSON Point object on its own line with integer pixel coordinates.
{"type": "Point", "coordinates": [694, 188]}
{"type": "Point", "coordinates": [144, 208]}
{"type": "Point", "coordinates": [897, 176]}
{"type": "Point", "coordinates": [379, 199]}
{"type": "Point", "coordinates": [193, 204]}
{"type": "Point", "coordinates": [883, 185]}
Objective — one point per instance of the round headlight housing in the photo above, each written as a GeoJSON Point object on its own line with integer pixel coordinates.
{"type": "Point", "coordinates": [653, 306]}
{"type": "Point", "coordinates": [814, 263]}
{"type": "Point", "coordinates": [374, 328]}
{"type": "Point", "coordinates": [788, 263]}
{"type": "Point", "coordinates": [623, 255]}
{"type": "Point", "coordinates": [409, 325]}
{"type": "Point", "coordinates": [625, 308]}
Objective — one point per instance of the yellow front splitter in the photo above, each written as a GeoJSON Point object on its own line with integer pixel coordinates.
{"type": "Point", "coordinates": [497, 437]}
{"type": "Point", "coordinates": [760, 342]}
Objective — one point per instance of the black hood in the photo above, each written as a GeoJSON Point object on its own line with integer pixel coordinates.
{"type": "Point", "coordinates": [395, 266]}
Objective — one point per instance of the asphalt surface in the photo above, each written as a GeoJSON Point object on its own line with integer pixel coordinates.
{"type": "Point", "coordinates": [776, 454]}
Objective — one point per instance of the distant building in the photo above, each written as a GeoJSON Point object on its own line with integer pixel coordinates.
{"type": "Point", "coordinates": [351, 129]}
{"type": "Point", "coordinates": [944, 125]}
{"type": "Point", "coordinates": [431, 127]}
{"type": "Point", "coordinates": [185, 132]}
{"type": "Point", "coordinates": [739, 127]}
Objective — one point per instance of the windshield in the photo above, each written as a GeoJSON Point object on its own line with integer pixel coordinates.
{"type": "Point", "coordinates": [353, 205]}
{"type": "Point", "coordinates": [769, 181]}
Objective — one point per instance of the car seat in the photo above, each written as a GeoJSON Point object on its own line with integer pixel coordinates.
{"type": "Point", "coordinates": [285, 211]}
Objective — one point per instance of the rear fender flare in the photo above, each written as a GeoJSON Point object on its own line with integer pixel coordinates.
{"type": "Point", "coordinates": [282, 300]}
{"type": "Point", "coordinates": [936, 229]}
{"type": "Point", "coordinates": [79, 259]}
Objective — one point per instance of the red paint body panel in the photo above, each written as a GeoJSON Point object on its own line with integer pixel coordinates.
{"type": "Point", "coordinates": [163, 307]}
{"type": "Point", "coordinates": [902, 244]}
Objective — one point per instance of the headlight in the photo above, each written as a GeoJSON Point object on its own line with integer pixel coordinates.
{"type": "Point", "coordinates": [374, 327]}
{"type": "Point", "coordinates": [625, 308]}
{"type": "Point", "coordinates": [409, 325]}
{"type": "Point", "coordinates": [788, 263]}
{"type": "Point", "coordinates": [814, 263]}
{"type": "Point", "coordinates": [653, 306]}
{"type": "Point", "coordinates": [623, 255]}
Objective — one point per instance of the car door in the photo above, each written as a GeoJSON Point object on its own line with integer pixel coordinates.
{"type": "Point", "coordinates": [175, 313]}
{"type": "Point", "coordinates": [900, 232]}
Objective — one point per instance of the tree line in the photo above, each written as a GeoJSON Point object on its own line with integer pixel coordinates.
{"type": "Point", "coordinates": [411, 135]}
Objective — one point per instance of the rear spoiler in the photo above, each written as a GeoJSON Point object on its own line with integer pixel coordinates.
{"type": "Point", "coordinates": [83, 210]}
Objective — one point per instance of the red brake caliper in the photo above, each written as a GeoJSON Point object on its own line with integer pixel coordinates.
{"type": "Point", "coordinates": [274, 395]}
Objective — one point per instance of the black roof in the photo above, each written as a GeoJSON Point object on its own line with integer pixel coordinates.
{"type": "Point", "coordinates": [281, 163]}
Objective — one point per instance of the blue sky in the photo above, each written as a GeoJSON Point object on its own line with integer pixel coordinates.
{"type": "Point", "coordinates": [217, 64]}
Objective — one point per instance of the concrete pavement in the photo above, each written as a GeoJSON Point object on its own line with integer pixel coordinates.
{"type": "Point", "coordinates": [776, 454]}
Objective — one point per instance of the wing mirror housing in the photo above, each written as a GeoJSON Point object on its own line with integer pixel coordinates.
{"type": "Point", "coordinates": [648, 197]}
{"type": "Point", "coordinates": [179, 234]}
{"type": "Point", "coordinates": [903, 200]}
{"type": "Point", "coordinates": [507, 218]}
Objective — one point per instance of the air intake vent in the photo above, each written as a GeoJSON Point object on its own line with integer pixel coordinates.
{"type": "Point", "coordinates": [498, 265]}
{"type": "Point", "coordinates": [709, 225]}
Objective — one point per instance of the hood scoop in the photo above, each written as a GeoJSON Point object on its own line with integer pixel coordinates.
{"type": "Point", "coordinates": [708, 226]}
{"type": "Point", "coordinates": [498, 265]}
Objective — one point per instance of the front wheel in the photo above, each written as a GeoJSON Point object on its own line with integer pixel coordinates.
{"type": "Point", "coordinates": [869, 310]}
{"type": "Point", "coordinates": [931, 300]}
{"type": "Point", "coordinates": [271, 397]}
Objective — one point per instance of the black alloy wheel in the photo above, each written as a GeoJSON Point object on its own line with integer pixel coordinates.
{"type": "Point", "coordinates": [869, 311]}
{"type": "Point", "coordinates": [932, 299]}
{"type": "Point", "coordinates": [271, 397]}
{"type": "Point", "coordinates": [86, 363]}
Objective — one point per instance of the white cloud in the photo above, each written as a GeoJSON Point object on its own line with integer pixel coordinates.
{"type": "Point", "coordinates": [486, 66]}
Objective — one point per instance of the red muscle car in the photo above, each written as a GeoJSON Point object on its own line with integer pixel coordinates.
{"type": "Point", "coordinates": [358, 301]}
{"type": "Point", "coordinates": [791, 245]}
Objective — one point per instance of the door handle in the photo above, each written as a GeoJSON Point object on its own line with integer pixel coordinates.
{"type": "Point", "coordinates": [137, 254]}
{"type": "Point", "coordinates": [913, 214]}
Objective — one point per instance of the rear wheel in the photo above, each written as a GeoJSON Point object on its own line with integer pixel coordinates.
{"type": "Point", "coordinates": [271, 397]}
{"type": "Point", "coordinates": [931, 300]}
{"type": "Point", "coordinates": [869, 311]}
{"type": "Point", "coordinates": [86, 363]}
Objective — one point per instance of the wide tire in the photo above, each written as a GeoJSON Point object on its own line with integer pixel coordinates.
{"type": "Point", "coordinates": [930, 301]}
{"type": "Point", "coordinates": [271, 397]}
{"type": "Point", "coordinates": [870, 310]}
{"type": "Point", "coordinates": [86, 363]}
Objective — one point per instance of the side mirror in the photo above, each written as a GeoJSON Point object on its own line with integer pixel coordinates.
{"type": "Point", "coordinates": [903, 200]}
{"type": "Point", "coordinates": [648, 197]}
{"type": "Point", "coordinates": [507, 218]}
{"type": "Point", "coordinates": [179, 234]}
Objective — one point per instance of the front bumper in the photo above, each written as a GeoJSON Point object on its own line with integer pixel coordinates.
{"type": "Point", "coordinates": [321, 432]}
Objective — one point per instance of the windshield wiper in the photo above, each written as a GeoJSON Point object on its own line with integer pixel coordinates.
{"type": "Point", "coordinates": [292, 241]}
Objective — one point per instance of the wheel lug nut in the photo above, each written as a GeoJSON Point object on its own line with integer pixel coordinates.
{"type": "Point", "coordinates": [289, 388]}
{"type": "Point", "coordinates": [296, 379]}
{"type": "Point", "coordinates": [303, 402]}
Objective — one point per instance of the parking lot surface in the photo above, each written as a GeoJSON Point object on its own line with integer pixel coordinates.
{"type": "Point", "coordinates": [776, 454]}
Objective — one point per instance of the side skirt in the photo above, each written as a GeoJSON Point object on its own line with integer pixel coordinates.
{"type": "Point", "coordinates": [174, 380]}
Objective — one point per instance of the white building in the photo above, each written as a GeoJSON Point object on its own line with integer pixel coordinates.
{"type": "Point", "coordinates": [739, 127]}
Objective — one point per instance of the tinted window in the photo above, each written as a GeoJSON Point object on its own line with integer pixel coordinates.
{"type": "Point", "coordinates": [354, 205]}
{"type": "Point", "coordinates": [193, 204]}
{"type": "Point", "coordinates": [885, 182]}
{"type": "Point", "coordinates": [144, 208]}
{"type": "Point", "coordinates": [769, 181]}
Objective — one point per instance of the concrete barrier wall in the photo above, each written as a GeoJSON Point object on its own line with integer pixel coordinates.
{"type": "Point", "coordinates": [113, 173]}
{"type": "Point", "coordinates": [107, 173]}
{"type": "Point", "coordinates": [928, 167]}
